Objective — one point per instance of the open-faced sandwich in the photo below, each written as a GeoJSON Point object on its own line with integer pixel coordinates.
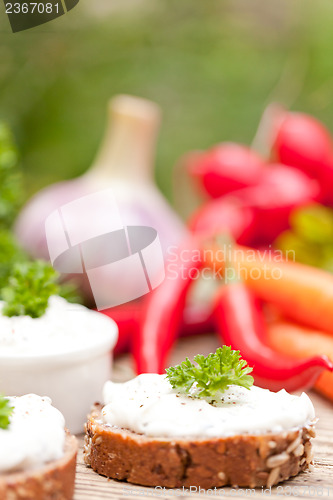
{"type": "Point", "coordinates": [37, 454]}
{"type": "Point", "coordinates": [200, 425]}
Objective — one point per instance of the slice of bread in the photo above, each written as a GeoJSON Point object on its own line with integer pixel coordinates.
{"type": "Point", "coordinates": [244, 460]}
{"type": "Point", "coordinates": [52, 481]}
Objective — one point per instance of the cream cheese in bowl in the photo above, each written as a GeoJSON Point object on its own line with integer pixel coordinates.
{"type": "Point", "coordinates": [35, 436]}
{"type": "Point", "coordinates": [148, 405]}
{"type": "Point", "coordinates": [65, 354]}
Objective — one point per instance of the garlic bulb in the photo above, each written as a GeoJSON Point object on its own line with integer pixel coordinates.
{"type": "Point", "coordinates": [123, 168]}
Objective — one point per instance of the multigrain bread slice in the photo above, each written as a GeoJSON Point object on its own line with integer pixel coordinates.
{"type": "Point", "coordinates": [244, 460]}
{"type": "Point", "coordinates": [53, 481]}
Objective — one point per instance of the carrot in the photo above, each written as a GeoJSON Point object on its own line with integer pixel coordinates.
{"type": "Point", "coordinates": [295, 340]}
{"type": "Point", "coordinates": [302, 293]}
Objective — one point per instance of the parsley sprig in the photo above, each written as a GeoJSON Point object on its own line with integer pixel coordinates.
{"type": "Point", "coordinates": [5, 412]}
{"type": "Point", "coordinates": [212, 374]}
{"type": "Point", "coordinates": [29, 289]}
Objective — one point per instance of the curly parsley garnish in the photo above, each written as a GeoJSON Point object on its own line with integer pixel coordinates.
{"type": "Point", "coordinates": [213, 373]}
{"type": "Point", "coordinates": [5, 412]}
{"type": "Point", "coordinates": [29, 289]}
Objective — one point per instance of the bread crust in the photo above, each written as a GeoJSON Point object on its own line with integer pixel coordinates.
{"type": "Point", "coordinates": [244, 460]}
{"type": "Point", "coordinates": [54, 480]}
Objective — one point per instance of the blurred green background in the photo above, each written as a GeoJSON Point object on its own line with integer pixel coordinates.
{"type": "Point", "coordinates": [212, 65]}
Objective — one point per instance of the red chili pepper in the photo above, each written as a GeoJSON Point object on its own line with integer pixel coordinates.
{"type": "Point", "coordinates": [280, 190]}
{"type": "Point", "coordinates": [225, 168]}
{"type": "Point", "coordinates": [225, 214]}
{"type": "Point", "coordinates": [163, 309]}
{"type": "Point", "coordinates": [240, 323]}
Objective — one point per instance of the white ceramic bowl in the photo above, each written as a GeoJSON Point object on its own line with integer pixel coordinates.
{"type": "Point", "coordinates": [73, 380]}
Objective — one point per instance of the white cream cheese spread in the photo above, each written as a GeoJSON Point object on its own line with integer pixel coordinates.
{"type": "Point", "coordinates": [148, 405]}
{"type": "Point", "coordinates": [36, 434]}
{"type": "Point", "coordinates": [64, 328]}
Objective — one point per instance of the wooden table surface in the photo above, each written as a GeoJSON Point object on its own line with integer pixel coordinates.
{"type": "Point", "coordinates": [318, 483]}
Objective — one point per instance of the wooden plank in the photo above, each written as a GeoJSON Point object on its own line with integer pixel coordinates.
{"type": "Point", "coordinates": [308, 485]}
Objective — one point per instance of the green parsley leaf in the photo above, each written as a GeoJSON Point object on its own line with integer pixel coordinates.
{"type": "Point", "coordinates": [212, 374]}
{"type": "Point", "coordinates": [5, 412]}
{"type": "Point", "coordinates": [30, 286]}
